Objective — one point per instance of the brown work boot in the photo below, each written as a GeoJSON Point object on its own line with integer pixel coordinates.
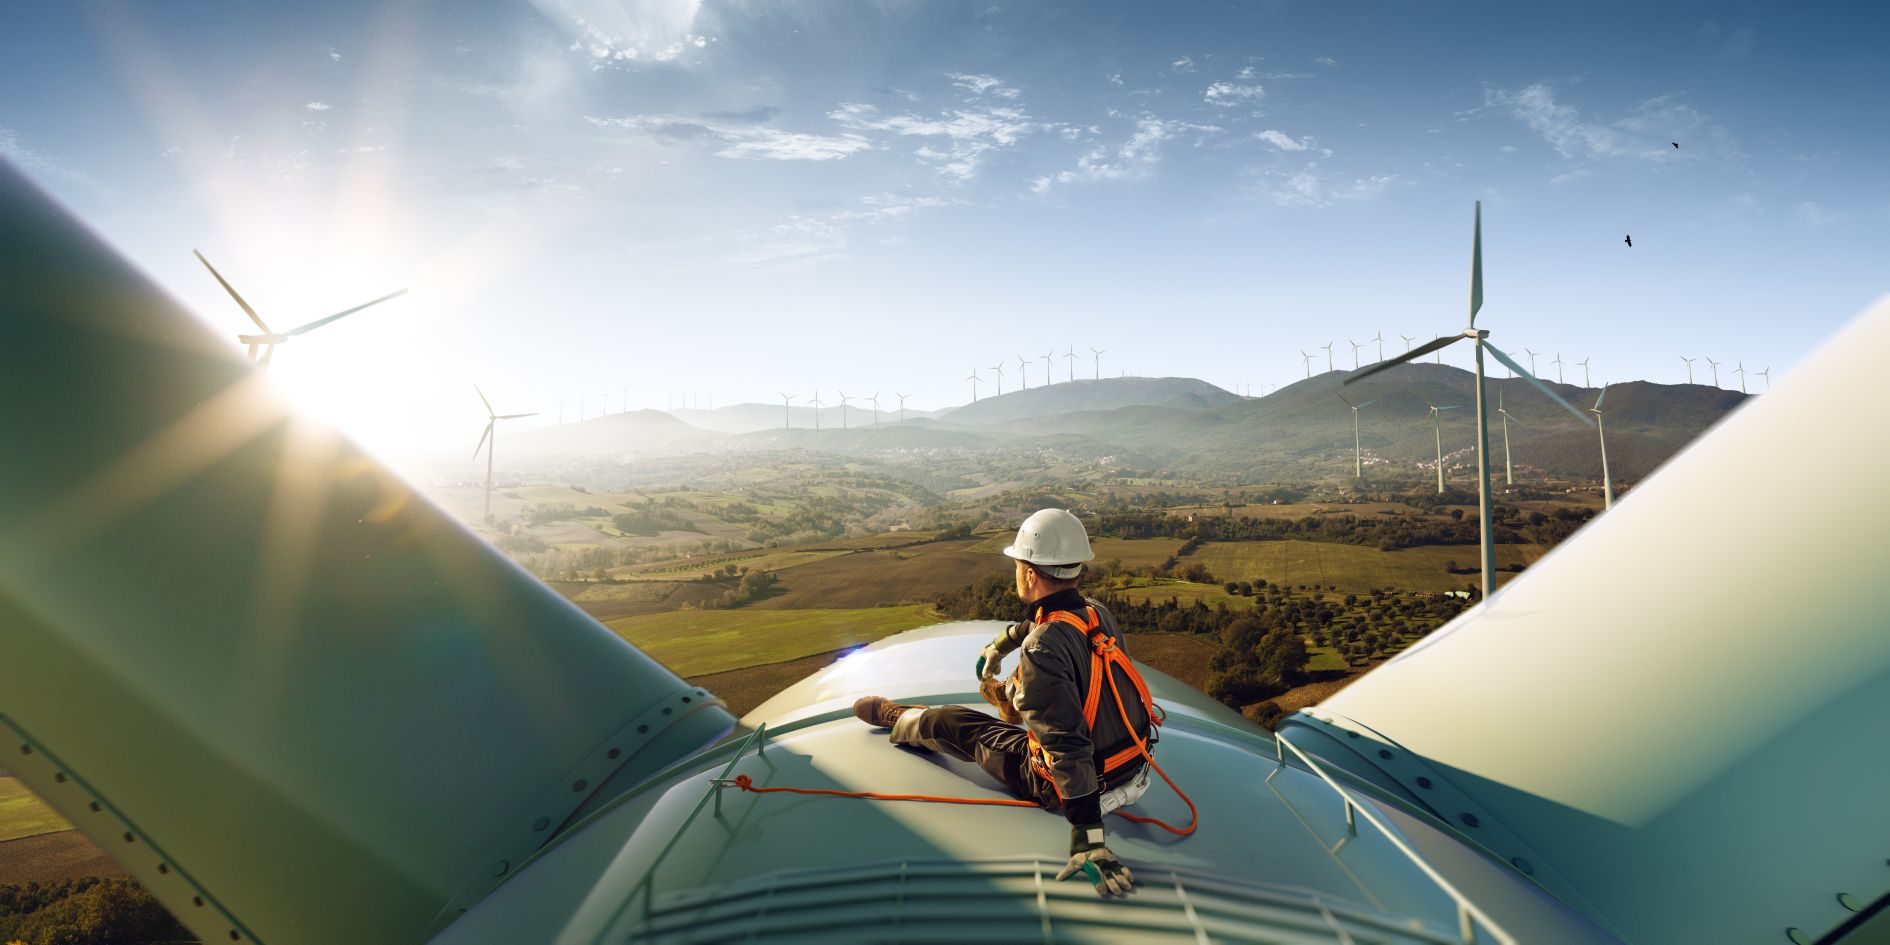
{"type": "Point", "coordinates": [880, 711]}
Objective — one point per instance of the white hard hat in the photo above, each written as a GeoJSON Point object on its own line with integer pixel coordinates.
{"type": "Point", "coordinates": [1054, 541]}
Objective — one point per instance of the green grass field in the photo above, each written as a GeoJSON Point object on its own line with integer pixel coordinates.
{"type": "Point", "coordinates": [697, 642]}
{"type": "Point", "coordinates": [1136, 552]}
{"type": "Point", "coordinates": [757, 560]}
{"type": "Point", "coordinates": [1353, 568]}
{"type": "Point", "coordinates": [23, 815]}
{"type": "Point", "coordinates": [642, 592]}
{"type": "Point", "coordinates": [1185, 594]}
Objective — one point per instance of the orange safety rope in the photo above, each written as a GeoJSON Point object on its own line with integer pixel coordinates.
{"type": "Point", "coordinates": [747, 783]}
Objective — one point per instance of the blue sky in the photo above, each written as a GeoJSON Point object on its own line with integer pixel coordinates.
{"type": "Point", "coordinates": [733, 199]}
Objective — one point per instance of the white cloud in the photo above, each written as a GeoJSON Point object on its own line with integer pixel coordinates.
{"type": "Point", "coordinates": [1325, 61]}
{"type": "Point", "coordinates": [334, 55]}
{"type": "Point", "coordinates": [1133, 159]}
{"type": "Point", "coordinates": [614, 32]}
{"type": "Point", "coordinates": [801, 242]}
{"type": "Point", "coordinates": [1283, 141]}
{"type": "Point", "coordinates": [1184, 64]}
{"type": "Point", "coordinates": [1811, 214]}
{"type": "Point", "coordinates": [318, 106]}
{"type": "Point", "coordinates": [982, 85]}
{"type": "Point", "coordinates": [1309, 188]}
{"type": "Point", "coordinates": [1644, 135]}
{"type": "Point", "coordinates": [970, 135]}
{"type": "Point", "coordinates": [1245, 74]}
{"type": "Point", "coordinates": [1508, 149]}
{"type": "Point", "coordinates": [1114, 78]}
{"type": "Point", "coordinates": [740, 141]}
{"type": "Point", "coordinates": [1228, 95]}
{"type": "Point", "coordinates": [41, 163]}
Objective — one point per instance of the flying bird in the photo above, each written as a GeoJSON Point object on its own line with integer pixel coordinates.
{"type": "Point", "coordinates": [1676, 145]}
{"type": "Point", "coordinates": [1630, 239]}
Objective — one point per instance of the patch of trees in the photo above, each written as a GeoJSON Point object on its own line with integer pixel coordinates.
{"type": "Point", "coordinates": [651, 519]}
{"type": "Point", "coordinates": [749, 586]}
{"type": "Point", "coordinates": [83, 911]}
{"type": "Point", "coordinates": [1387, 534]}
{"type": "Point", "coordinates": [1261, 656]}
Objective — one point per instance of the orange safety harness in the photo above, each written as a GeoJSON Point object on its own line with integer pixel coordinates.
{"type": "Point", "coordinates": [1104, 656]}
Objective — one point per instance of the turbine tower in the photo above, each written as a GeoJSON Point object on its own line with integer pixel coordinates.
{"type": "Point", "coordinates": [269, 339]}
{"type": "Point", "coordinates": [1049, 367]}
{"type": "Point", "coordinates": [902, 406]}
{"type": "Point", "coordinates": [1715, 365]}
{"type": "Point", "coordinates": [1023, 376]}
{"type": "Point", "coordinates": [1767, 374]}
{"type": "Point", "coordinates": [1480, 337]}
{"type": "Point", "coordinates": [1689, 362]}
{"type": "Point", "coordinates": [561, 411]}
{"type": "Point", "coordinates": [1437, 427]}
{"type": "Point", "coordinates": [974, 385]}
{"type": "Point", "coordinates": [1097, 354]}
{"type": "Point", "coordinates": [1607, 481]}
{"type": "Point", "coordinates": [787, 416]}
{"type": "Point", "coordinates": [1355, 346]}
{"type": "Point", "coordinates": [488, 440]}
{"type": "Point", "coordinates": [1741, 371]}
{"type": "Point", "coordinates": [1328, 347]}
{"type": "Point", "coordinates": [1558, 368]}
{"type": "Point", "coordinates": [1380, 338]}
{"type": "Point", "coordinates": [1358, 454]}
{"type": "Point", "coordinates": [1509, 471]}
{"type": "Point", "coordinates": [1532, 359]}
{"type": "Point", "coordinates": [1070, 360]}
{"type": "Point", "coordinates": [625, 391]}
{"type": "Point", "coordinates": [998, 369]}
{"type": "Point", "coordinates": [1308, 359]}
{"type": "Point", "coordinates": [875, 400]}
{"type": "Point", "coordinates": [843, 406]}
{"type": "Point", "coordinates": [816, 404]}
{"type": "Point", "coordinates": [1584, 363]}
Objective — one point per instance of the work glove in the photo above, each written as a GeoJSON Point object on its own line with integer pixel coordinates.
{"type": "Point", "coordinates": [989, 661]}
{"type": "Point", "coordinates": [1090, 857]}
{"type": "Point", "coordinates": [995, 692]}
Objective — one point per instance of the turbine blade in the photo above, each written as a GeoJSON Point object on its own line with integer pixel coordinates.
{"type": "Point", "coordinates": [483, 400]}
{"type": "Point", "coordinates": [1412, 354]}
{"type": "Point", "coordinates": [515, 416]}
{"type": "Point", "coordinates": [231, 289]}
{"type": "Point", "coordinates": [482, 438]}
{"type": "Point", "coordinates": [1451, 407]}
{"type": "Point", "coordinates": [1604, 393]}
{"type": "Point", "coordinates": [268, 352]}
{"type": "Point", "coordinates": [1348, 402]}
{"type": "Point", "coordinates": [1476, 265]}
{"type": "Point", "coordinates": [1510, 363]}
{"type": "Point", "coordinates": [252, 352]}
{"type": "Point", "coordinates": [1366, 404]}
{"type": "Point", "coordinates": [311, 326]}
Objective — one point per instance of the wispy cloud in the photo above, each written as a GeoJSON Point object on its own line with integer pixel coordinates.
{"type": "Point", "coordinates": [1133, 159]}
{"type": "Point", "coordinates": [618, 32]}
{"type": "Point", "coordinates": [1325, 61]}
{"type": "Point", "coordinates": [1813, 215]}
{"type": "Point", "coordinates": [1184, 64]}
{"type": "Point", "coordinates": [1644, 135]}
{"type": "Point", "coordinates": [334, 55]}
{"type": "Point", "coordinates": [805, 241]}
{"type": "Point", "coordinates": [967, 137]}
{"type": "Point", "coordinates": [41, 163]}
{"type": "Point", "coordinates": [1284, 141]}
{"type": "Point", "coordinates": [1229, 95]}
{"type": "Point", "coordinates": [1728, 45]}
{"type": "Point", "coordinates": [739, 141]}
{"type": "Point", "coordinates": [318, 106]}
{"type": "Point", "coordinates": [1311, 188]}
{"type": "Point", "coordinates": [980, 85]}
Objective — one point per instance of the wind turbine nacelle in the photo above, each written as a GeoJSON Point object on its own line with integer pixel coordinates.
{"type": "Point", "coordinates": [271, 339]}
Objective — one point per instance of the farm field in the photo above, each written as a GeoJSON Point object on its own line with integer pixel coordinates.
{"type": "Point", "coordinates": [22, 815]}
{"type": "Point", "coordinates": [757, 560]}
{"type": "Point", "coordinates": [877, 578]}
{"type": "Point", "coordinates": [1133, 553]}
{"type": "Point", "coordinates": [697, 642]}
{"type": "Point", "coordinates": [1352, 568]}
{"type": "Point", "coordinates": [1184, 593]}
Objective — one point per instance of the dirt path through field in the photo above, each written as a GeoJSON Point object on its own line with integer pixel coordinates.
{"type": "Point", "coordinates": [53, 858]}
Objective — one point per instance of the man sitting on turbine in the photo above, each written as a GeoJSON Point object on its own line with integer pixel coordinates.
{"type": "Point", "coordinates": [1078, 750]}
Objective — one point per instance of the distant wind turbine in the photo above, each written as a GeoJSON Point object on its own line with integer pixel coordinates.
{"type": "Point", "coordinates": [816, 404]}
{"type": "Point", "coordinates": [1070, 359]}
{"type": "Point", "coordinates": [1328, 347]}
{"type": "Point", "coordinates": [269, 339]}
{"type": "Point", "coordinates": [974, 385]}
{"type": "Point", "coordinates": [1407, 341]}
{"type": "Point", "coordinates": [1437, 427]}
{"type": "Point", "coordinates": [625, 391]}
{"type": "Point", "coordinates": [1355, 346]}
{"type": "Point", "coordinates": [1097, 354]}
{"type": "Point", "coordinates": [843, 406]}
{"type": "Point", "coordinates": [1049, 367]}
{"type": "Point", "coordinates": [1308, 359]}
{"type": "Point", "coordinates": [1532, 360]}
{"type": "Point", "coordinates": [902, 406]}
{"type": "Point", "coordinates": [1607, 481]}
{"type": "Point", "coordinates": [1741, 371]}
{"type": "Point", "coordinates": [1380, 338]}
{"type": "Point", "coordinates": [1509, 471]}
{"type": "Point", "coordinates": [875, 400]}
{"type": "Point", "coordinates": [488, 440]}
{"type": "Point", "coordinates": [1558, 367]}
{"type": "Point", "coordinates": [1767, 374]}
{"type": "Point", "coordinates": [1715, 365]}
{"type": "Point", "coordinates": [1480, 337]}
{"type": "Point", "coordinates": [787, 416]}
{"type": "Point", "coordinates": [1689, 362]}
{"type": "Point", "coordinates": [1358, 453]}
{"type": "Point", "coordinates": [1584, 363]}
{"type": "Point", "coordinates": [1023, 376]}
{"type": "Point", "coordinates": [998, 369]}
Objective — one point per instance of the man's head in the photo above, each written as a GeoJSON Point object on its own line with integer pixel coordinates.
{"type": "Point", "coordinates": [1050, 549]}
